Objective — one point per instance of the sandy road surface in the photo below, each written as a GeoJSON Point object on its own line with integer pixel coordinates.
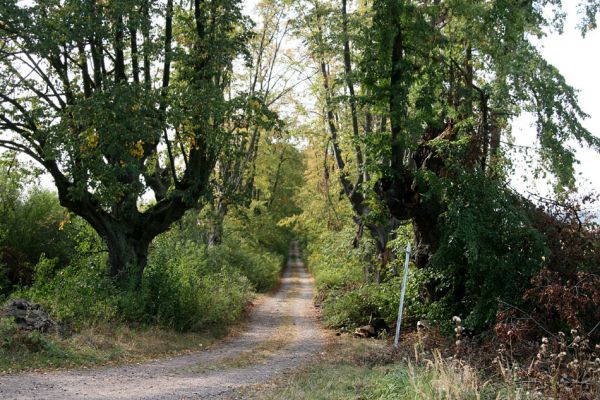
{"type": "Point", "coordinates": [283, 333]}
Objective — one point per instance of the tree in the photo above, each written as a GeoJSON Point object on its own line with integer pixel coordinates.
{"type": "Point", "coordinates": [264, 84]}
{"type": "Point", "coordinates": [456, 75]}
{"type": "Point", "coordinates": [118, 99]}
{"type": "Point", "coordinates": [434, 86]}
{"type": "Point", "coordinates": [349, 119]}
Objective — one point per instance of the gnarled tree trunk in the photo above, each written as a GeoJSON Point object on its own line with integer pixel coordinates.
{"type": "Point", "coordinates": [128, 257]}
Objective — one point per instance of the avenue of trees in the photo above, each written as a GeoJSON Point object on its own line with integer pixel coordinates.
{"type": "Point", "coordinates": [352, 125]}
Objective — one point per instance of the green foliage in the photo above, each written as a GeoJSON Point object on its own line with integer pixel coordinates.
{"type": "Point", "coordinates": [186, 286]}
{"type": "Point", "coordinates": [15, 341]}
{"type": "Point", "coordinates": [258, 229]}
{"type": "Point", "coordinates": [488, 251]}
{"type": "Point", "coordinates": [8, 328]}
{"type": "Point", "coordinates": [5, 284]}
{"type": "Point", "coordinates": [80, 294]}
{"type": "Point", "coordinates": [333, 262]}
{"type": "Point", "coordinates": [32, 224]}
{"type": "Point", "coordinates": [262, 268]}
{"type": "Point", "coordinates": [346, 300]}
{"type": "Point", "coordinates": [590, 10]}
{"type": "Point", "coordinates": [351, 308]}
{"type": "Point", "coordinates": [155, 121]}
{"type": "Point", "coordinates": [180, 298]}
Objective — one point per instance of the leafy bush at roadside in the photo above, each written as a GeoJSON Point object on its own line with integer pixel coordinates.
{"type": "Point", "coordinates": [14, 340]}
{"type": "Point", "coordinates": [345, 299]}
{"type": "Point", "coordinates": [262, 268]}
{"type": "Point", "coordinates": [182, 289]}
{"type": "Point", "coordinates": [32, 223]}
{"type": "Point", "coordinates": [187, 285]}
{"type": "Point", "coordinates": [79, 294]}
{"type": "Point", "coordinates": [333, 261]}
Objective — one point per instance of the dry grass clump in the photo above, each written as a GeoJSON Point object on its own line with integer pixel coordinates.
{"type": "Point", "coordinates": [559, 367]}
{"type": "Point", "coordinates": [444, 378]}
{"type": "Point", "coordinates": [562, 368]}
{"type": "Point", "coordinates": [440, 368]}
{"type": "Point", "coordinates": [101, 344]}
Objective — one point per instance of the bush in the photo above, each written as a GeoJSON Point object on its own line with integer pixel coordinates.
{"type": "Point", "coordinates": [346, 300]}
{"type": "Point", "coordinates": [262, 268]}
{"type": "Point", "coordinates": [14, 340]}
{"type": "Point", "coordinates": [186, 285]}
{"type": "Point", "coordinates": [488, 251]}
{"type": "Point", "coordinates": [32, 228]}
{"type": "Point", "coordinates": [334, 263]}
{"type": "Point", "coordinates": [564, 294]}
{"type": "Point", "coordinates": [179, 295]}
{"type": "Point", "coordinates": [80, 294]}
{"type": "Point", "coordinates": [354, 307]}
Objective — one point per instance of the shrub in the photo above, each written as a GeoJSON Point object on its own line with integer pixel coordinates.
{"type": "Point", "coordinates": [489, 250]}
{"type": "Point", "coordinates": [333, 261]}
{"type": "Point", "coordinates": [346, 300]}
{"type": "Point", "coordinates": [186, 285]}
{"type": "Point", "coordinates": [351, 308]}
{"type": "Point", "coordinates": [13, 340]}
{"type": "Point", "coordinates": [565, 293]}
{"type": "Point", "coordinates": [32, 229]}
{"type": "Point", "coordinates": [182, 299]}
{"type": "Point", "coordinates": [189, 286]}
{"type": "Point", "coordinates": [78, 295]}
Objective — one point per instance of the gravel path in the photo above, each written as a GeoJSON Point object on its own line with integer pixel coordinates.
{"type": "Point", "coordinates": [283, 333]}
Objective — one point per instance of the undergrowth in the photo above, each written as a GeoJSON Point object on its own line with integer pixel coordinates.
{"type": "Point", "coordinates": [101, 344]}
{"type": "Point", "coordinates": [191, 293]}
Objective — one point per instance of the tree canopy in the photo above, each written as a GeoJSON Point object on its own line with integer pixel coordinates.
{"type": "Point", "coordinates": [117, 99]}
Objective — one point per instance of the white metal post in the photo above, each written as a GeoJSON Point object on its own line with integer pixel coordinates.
{"type": "Point", "coordinates": [400, 308]}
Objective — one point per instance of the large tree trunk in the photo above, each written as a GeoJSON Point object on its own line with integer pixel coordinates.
{"type": "Point", "coordinates": [128, 233]}
{"type": "Point", "coordinates": [128, 257]}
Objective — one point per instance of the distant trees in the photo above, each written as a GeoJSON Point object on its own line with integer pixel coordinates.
{"type": "Point", "coordinates": [262, 84]}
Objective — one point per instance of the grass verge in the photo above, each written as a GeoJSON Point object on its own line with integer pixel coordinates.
{"type": "Point", "coordinates": [367, 369]}
{"type": "Point", "coordinates": [102, 345]}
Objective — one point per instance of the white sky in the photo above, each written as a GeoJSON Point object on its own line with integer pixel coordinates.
{"type": "Point", "coordinates": [578, 59]}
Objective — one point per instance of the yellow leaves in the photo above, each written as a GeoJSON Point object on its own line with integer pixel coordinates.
{"type": "Point", "coordinates": [61, 225]}
{"type": "Point", "coordinates": [254, 104]}
{"type": "Point", "coordinates": [63, 222]}
{"type": "Point", "coordinates": [193, 143]}
{"type": "Point", "coordinates": [90, 141]}
{"type": "Point", "coordinates": [137, 151]}
{"type": "Point", "coordinates": [135, 107]}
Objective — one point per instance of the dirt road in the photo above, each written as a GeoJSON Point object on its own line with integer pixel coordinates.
{"type": "Point", "coordinates": [283, 333]}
